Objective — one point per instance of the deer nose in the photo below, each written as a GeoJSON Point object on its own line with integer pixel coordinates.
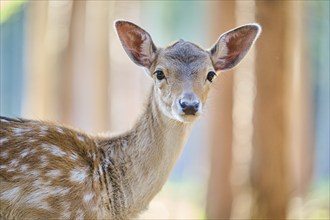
{"type": "Point", "coordinates": [189, 105]}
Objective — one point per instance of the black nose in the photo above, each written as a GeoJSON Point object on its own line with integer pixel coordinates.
{"type": "Point", "coordinates": [189, 107]}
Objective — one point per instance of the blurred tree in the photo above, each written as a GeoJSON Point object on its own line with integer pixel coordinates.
{"type": "Point", "coordinates": [219, 201]}
{"type": "Point", "coordinates": [68, 63]}
{"type": "Point", "coordinates": [269, 172]}
{"type": "Point", "coordinates": [87, 66]}
{"type": "Point", "coordinates": [281, 162]}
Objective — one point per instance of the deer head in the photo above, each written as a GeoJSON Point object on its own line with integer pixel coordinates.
{"type": "Point", "coordinates": [182, 72]}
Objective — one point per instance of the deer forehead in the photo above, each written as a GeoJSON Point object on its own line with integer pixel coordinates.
{"type": "Point", "coordinates": [184, 58]}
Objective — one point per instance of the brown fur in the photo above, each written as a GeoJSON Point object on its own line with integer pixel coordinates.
{"type": "Point", "coordinates": [49, 171]}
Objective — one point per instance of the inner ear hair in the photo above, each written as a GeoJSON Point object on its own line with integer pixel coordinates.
{"type": "Point", "coordinates": [233, 45]}
{"type": "Point", "coordinates": [136, 42]}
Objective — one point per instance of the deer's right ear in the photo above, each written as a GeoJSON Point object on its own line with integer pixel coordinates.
{"type": "Point", "coordinates": [137, 43]}
{"type": "Point", "coordinates": [233, 45]}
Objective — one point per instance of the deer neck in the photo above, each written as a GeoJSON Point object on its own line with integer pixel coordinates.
{"type": "Point", "coordinates": [146, 155]}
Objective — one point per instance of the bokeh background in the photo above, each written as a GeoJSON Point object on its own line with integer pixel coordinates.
{"type": "Point", "coordinates": [261, 149]}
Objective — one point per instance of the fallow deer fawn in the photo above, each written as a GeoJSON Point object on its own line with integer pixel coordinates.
{"type": "Point", "coordinates": [51, 171]}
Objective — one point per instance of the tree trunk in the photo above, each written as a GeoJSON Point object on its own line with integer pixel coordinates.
{"type": "Point", "coordinates": [219, 199]}
{"type": "Point", "coordinates": [269, 171]}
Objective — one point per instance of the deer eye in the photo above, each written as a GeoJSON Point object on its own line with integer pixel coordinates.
{"type": "Point", "coordinates": [210, 76]}
{"type": "Point", "coordinates": [160, 75]}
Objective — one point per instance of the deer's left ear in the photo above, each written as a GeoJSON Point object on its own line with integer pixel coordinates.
{"type": "Point", "coordinates": [136, 42]}
{"type": "Point", "coordinates": [233, 45]}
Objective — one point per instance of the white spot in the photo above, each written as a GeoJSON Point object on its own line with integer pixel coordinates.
{"type": "Point", "coordinates": [44, 161]}
{"type": "Point", "coordinates": [11, 194]}
{"type": "Point", "coordinates": [88, 197]}
{"type": "Point", "coordinates": [65, 207]}
{"type": "Point", "coordinates": [3, 166]}
{"type": "Point", "coordinates": [42, 184]}
{"type": "Point", "coordinates": [73, 156]}
{"type": "Point", "coordinates": [43, 128]}
{"type": "Point", "coordinates": [94, 209]}
{"type": "Point", "coordinates": [60, 191]}
{"type": "Point", "coordinates": [41, 192]}
{"type": "Point", "coordinates": [43, 205]}
{"type": "Point", "coordinates": [81, 138]}
{"type": "Point", "coordinates": [11, 170]}
{"type": "Point", "coordinates": [53, 149]}
{"type": "Point", "coordinates": [78, 175]}
{"type": "Point", "coordinates": [125, 144]}
{"type": "Point", "coordinates": [4, 154]}
{"type": "Point", "coordinates": [53, 173]}
{"type": "Point", "coordinates": [35, 197]}
{"type": "Point", "coordinates": [60, 130]}
{"type": "Point", "coordinates": [24, 167]}
{"type": "Point", "coordinates": [25, 152]}
{"type": "Point", "coordinates": [4, 120]}
{"type": "Point", "coordinates": [20, 131]}
{"type": "Point", "coordinates": [79, 214]}
{"type": "Point", "coordinates": [3, 140]}
{"type": "Point", "coordinates": [34, 123]}
{"type": "Point", "coordinates": [14, 163]}
{"type": "Point", "coordinates": [66, 214]}
{"type": "Point", "coordinates": [43, 131]}
{"type": "Point", "coordinates": [34, 173]}
{"type": "Point", "coordinates": [37, 183]}
{"type": "Point", "coordinates": [16, 177]}
{"type": "Point", "coordinates": [31, 140]}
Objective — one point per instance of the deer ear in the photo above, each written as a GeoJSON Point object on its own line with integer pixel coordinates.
{"type": "Point", "coordinates": [233, 45]}
{"type": "Point", "coordinates": [136, 42]}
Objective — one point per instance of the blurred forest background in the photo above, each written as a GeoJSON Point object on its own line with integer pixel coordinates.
{"type": "Point", "coordinates": [261, 149]}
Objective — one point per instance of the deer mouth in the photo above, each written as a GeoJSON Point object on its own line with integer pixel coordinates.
{"type": "Point", "coordinates": [190, 118]}
{"type": "Point", "coordinates": [187, 118]}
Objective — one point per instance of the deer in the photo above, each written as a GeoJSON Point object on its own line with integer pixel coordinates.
{"type": "Point", "coordinates": [49, 170]}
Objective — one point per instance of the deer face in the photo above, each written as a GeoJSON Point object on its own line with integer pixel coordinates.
{"type": "Point", "coordinates": [182, 75]}
{"type": "Point", "coordinates": [183, 72]}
